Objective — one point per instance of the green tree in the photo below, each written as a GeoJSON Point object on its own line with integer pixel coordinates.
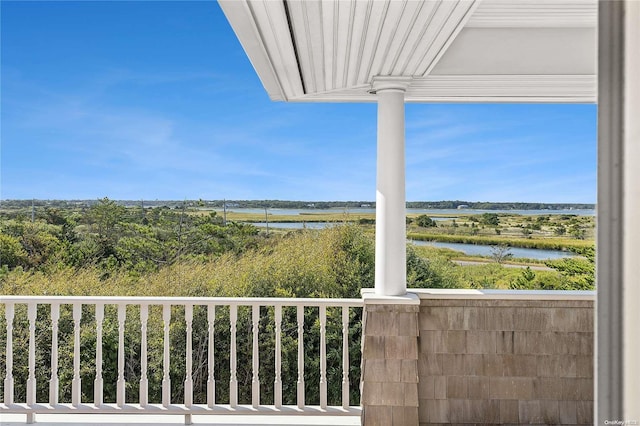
{"type": "Point", "coordinates": [104, 216]}
{"type": "Point", "coordinates": [490, 219]}
{"type": "Point", "coordinates": [524, 281]}
{"type": "Point", "coordinates": [12, 253]}
{"type": "Point", "coordinates": [425, 221]}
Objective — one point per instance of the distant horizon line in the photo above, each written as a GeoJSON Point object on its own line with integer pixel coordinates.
{"type": "Point", "coordinates": [265, 200]}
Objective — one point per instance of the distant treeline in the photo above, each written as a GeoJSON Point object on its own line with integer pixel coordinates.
{"type": "Point", "coordinates": [282, 204]}
{"type": "Point", "coordinates": [484, 205]}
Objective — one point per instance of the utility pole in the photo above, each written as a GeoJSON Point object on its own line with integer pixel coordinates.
{"type": "Point", "coordinates": [33, 210]}
{"type": "Point", "coordinates": [266, 219]}
{"type": "Point", "coordinates": [224, 212]}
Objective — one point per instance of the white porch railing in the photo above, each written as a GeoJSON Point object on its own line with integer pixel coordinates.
{"type": "Point", "coordinates": [263, 317]}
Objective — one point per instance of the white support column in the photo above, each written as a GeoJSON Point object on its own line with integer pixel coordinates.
{"type": "Point", "coordinates": [618, 239]}
{"type": "Point", "coordinates": [391, 276]}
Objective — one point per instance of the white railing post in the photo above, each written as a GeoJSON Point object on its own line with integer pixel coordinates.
{"type": "Point", "coordinates": [166, 379]}
{"type": "Point", "coordinates": [211, 382]}
{"type": "Point", "coordinates": [188, 381]}
{"type": "Point", "coordinates": [144, 380]}
{"type": "Point", "coordinates": [233, 380]}
{"type": "Point", "coordinates": [75, 383]}
{"type": "Point", "coordinates": [98, 382]}
{"type": "Point", "coordinates": [278, 379]}
{"type": "Point", "coordinates": [323, 357]}
{"type": "Point", "coordinates": [54, 382]}
{"type": "Point", "coordinates": [32, 311]}
{"type": "Point", "coordinates": [120, 394]}
{"type": "Point", "coordinates": [345, 357]}
{"type": "Point", "coordinates": [300, 384]}
{"type": "Point", "coordinates": [255, 380]}
{"type": "Point", "coordinates": [9, 311]}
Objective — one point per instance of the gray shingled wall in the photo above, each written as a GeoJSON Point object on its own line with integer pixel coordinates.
{"type": "Point", "coordinates": [505, 361]}
{"type": "Point", "coordinates": [389, 380]}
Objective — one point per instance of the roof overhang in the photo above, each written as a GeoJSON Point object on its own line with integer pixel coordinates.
{"type": "Point", "coordinates": [453, 50]}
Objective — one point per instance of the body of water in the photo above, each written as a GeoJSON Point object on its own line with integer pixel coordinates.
{"type": "Point", "coordinates": [482, 250]}
{"type": "Point", "coordinates": [449, 212]}
{"type": "Point", "coordinates": [470, 249]}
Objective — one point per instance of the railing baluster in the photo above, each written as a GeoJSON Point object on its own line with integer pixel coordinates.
{"type": "Point", "coordinates": [144, 380]}
{"type": "Point", "coordinates": [54, 382]}
{"type": "Point", "coordinates": [278, 379]}
{"type": "Point", "coordinates": [75, 383]}
{"type": "Point", "coordinates": [98, 382]}
{"type": "Point", "coordinates": [211, 382]}
{"type": "Point", "coordinates": [166, 380]}
{"type": "Point", "coordinates": [120, 394]}
{"type": "Point", "coordinates": [345, 357]}
{"type": "Point", "coordinates": [188, 382]}
{"type": "Point", "coordinates": [233, 382]}
{"type": "Point", "coordinates": [32, 311]}
{"type": "Point", "coordinates": [323, 357]}
{"type": "Point", "coordinates": [255, 381]}
{"type": "Point", "coordinates": [9, 311]}
{"type": "Point", "coordinates": [77, 304]}
{"type": "Point", "coordinates": [300, 384]}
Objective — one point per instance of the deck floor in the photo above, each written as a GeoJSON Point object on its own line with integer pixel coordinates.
{"type": "Point", "coordinates": [137, 420]}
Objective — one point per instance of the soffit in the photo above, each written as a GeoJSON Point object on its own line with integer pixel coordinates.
{"type": "Point", "coordinates": [454, 50]}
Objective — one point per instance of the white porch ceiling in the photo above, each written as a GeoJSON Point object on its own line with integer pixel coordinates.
{"type": "Point", "coordinates": [454, 50]}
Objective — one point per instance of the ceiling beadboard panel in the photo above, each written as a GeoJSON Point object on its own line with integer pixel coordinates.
{"type": "Point", "coordinates": [535, 14]}
{"type": "Point", "coordinates": [273, 31]}
{"type": "Point", "coordinates": [342, 43]}
{"type": "Point", "coordinates": [455, 50]}
{"type": "Point", "coordinates": [521, 51]}
{"type": "Point", "coordinates": [570, 88]}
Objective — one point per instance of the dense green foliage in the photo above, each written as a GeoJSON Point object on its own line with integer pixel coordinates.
{"type": "Point", "coordinates": [107, 249]}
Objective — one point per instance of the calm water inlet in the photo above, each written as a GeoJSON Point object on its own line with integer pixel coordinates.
{"type": "Point", "coordinates": [482, 250]}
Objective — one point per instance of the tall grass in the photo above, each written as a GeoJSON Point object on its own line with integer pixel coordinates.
{"type": "Point", "coordinates": [333, 263]}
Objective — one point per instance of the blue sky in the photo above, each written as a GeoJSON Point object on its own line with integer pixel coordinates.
{"type": "Point", "coordinates": [157, 100]}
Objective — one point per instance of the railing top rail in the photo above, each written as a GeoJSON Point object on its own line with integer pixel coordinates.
{"type": "Point", "coordinates": [221, 301]}
{"type": "Point", "coordinates": [488, 294]}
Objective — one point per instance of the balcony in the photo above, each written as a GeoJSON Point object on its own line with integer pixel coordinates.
{"type": "Point", "coordinates": [433, 356]}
